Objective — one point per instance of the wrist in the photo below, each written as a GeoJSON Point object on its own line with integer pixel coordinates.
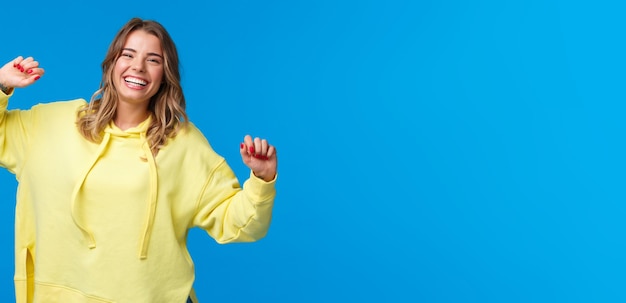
{"type": "Point", "coordinates": [5, 89]}
{"type": "Point", "coordinates": [265, 176]}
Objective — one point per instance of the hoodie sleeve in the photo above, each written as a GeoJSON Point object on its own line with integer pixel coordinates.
{"type": "Point", "coordinates": [230, 213]}
{"type": "Point", "coordinates": [14, 139]}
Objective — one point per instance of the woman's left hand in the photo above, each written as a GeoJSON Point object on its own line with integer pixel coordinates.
{"type": "Point", "coordinates": [260, 157]}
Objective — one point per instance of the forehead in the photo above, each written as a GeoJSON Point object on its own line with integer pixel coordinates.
{"type": "Point", "coordinates": [142, 41]}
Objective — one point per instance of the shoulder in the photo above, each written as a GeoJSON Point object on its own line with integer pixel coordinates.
{"type": "Point", "coordinates": [191, 134]}
{"type": "Point", "coordinates": [59, 107]}
{"type": "Point", "coordinates": [190, 148]}
{"type": "Point", "coordinates": [189, 139]}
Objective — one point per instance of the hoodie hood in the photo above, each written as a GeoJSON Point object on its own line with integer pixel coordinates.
{"type": "Point", "coordinates": [145, 154]}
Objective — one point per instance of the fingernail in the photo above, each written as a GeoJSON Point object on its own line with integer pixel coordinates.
{"type": "Point", "coordinates": [252, 149]}
{"type": "Point", "coordinates": [37, 78]}
{"type": "Point", "coordinates": [14, 65]}
{"type": "Point", "coordinates": [241, 145]}
{"type": "Point", "coordinates": [18, 66]}
{"type": "Point", "coordinates": [30, 71]}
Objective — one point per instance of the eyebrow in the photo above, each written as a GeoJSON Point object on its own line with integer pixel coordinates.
{"type": "Point", "coordinates": [134, 51]}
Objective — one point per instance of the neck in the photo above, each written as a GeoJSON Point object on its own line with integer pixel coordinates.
{"type": "Point", "coordinates": [126, 118]}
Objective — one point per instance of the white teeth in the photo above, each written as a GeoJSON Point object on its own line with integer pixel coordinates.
{"type": "Point", "coordinates": [135, 81]}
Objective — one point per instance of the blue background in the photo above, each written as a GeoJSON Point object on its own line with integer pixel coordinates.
{"type": "Point", "coordinates": [430, 151]}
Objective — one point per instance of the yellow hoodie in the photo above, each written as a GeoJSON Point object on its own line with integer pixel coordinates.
{"type": "Point", "coordinates": [108, 222]}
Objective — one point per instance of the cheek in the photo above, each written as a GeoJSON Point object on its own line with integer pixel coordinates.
{"type": "Point", "coordinates": [157, 76]}
{"type": "Point", "coordinates": [118, 69]}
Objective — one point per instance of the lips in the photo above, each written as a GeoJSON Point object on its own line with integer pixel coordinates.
{"type": "Point", "coordinates": [135, 81]}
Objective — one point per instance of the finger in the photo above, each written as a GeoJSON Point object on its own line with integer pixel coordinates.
{"type": "Point", "coordinates": [247, 140]}
{"type": "Point", "coordinates": [29, 66]}
{"type": "Point", "coordinates": [264, 147]}
{"type": "Point", "coordinates": [27, 60]}
{"type": "Point", "coordinates": [257, 146]}
{"type": "Point", "coordinates": [34, 77]}
{"type": "Point", "coordinates": [35, 71]}
{"type": "Point", "coordinates": [271, 151]}
{"type": "Point", "coordinates": [264, 153]}
{"type": "Point", "coordinates": [17, 61]}
{"type": "Point", "coordinates": [24, 65]}
{"type": "Point", "coordinates": [261, 152]}
{"type": "Point", "coordinates": [243, 150]}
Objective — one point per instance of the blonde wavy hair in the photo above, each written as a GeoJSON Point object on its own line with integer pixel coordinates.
{"type": "Point", "coordinates": [167, 106]}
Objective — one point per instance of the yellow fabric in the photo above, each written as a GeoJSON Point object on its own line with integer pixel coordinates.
{"type": "Point", "coordinates": [107, 221]}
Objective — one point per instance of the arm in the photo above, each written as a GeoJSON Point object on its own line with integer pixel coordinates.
{"type": "Point", "coordinates": [19, 72]}
{"type": "Point", "coordinates": [231, 214]}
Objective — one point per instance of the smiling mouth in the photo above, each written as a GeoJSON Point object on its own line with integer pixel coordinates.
{"type": "Point", "coordinates": [135, 81]}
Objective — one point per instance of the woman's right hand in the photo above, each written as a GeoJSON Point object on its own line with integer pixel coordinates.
{"type": "Point", "coordinates": [20, 72]}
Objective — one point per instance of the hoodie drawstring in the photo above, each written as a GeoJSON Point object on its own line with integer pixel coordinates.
{"type": "Point", "coordinates": [88, 234]}
{"type": "Point", "coordinates": [152, 197]}
{"type": "Point", "coordinates": [146, 156]}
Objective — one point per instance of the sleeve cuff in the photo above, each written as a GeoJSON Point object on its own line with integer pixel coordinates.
{"type": "Point", "coordinates": [5, 95]}
{"type": "Point", "coordinates": [4, 98]}
{"type": "Point", "coordinates": [260, 189]}
{"type": "Point", "coordinates": [252, 176]}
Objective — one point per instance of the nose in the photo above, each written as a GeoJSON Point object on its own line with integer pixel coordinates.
{"type": "Point", "coordinates": [138, 65]}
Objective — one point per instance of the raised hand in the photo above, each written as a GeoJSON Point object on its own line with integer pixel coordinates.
{"type": "Point", "coordinates": [20, 72]}
{"type": "Point", "coordinates": [260, 157]}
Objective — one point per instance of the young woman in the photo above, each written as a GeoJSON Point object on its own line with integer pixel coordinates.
{"type": "Point", "coordinates": [108, 189]}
